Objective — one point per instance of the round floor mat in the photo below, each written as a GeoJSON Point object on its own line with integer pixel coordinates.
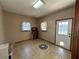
{"type": "Point", "coordinates": [43, 46]}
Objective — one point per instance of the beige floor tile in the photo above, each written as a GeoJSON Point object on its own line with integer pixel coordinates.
{"type": "Point", "coordinates": [30, 50]}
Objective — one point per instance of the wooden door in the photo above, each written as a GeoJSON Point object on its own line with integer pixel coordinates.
{"type": "Point", "coordinates": [75, 43]}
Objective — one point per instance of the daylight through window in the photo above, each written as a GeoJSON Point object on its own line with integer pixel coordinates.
{"type": "Point", "coordinates": [26, 26]}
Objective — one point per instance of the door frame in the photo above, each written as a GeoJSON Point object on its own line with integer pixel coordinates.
{"type": "Point", "coordinates": [75, 37]}
{"type": "Point", "coordinates": [71, 32]}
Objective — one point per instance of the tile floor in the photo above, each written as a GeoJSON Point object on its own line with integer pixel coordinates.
{"type": "Point", "coordinates": [30, 50]}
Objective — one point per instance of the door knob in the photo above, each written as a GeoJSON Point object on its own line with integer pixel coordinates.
{"type": "Point", "coordinates": [69, 35]}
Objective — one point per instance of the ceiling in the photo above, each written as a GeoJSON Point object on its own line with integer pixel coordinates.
{"type": "Point", "coordinates": [25, 7]}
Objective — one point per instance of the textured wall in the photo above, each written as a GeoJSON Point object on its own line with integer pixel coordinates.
{"type": "Point", "coordinates": [50, 34]}
{"type": "Point", "coordinates": [12, 24]}
{"type": "Point", "coordinates": [2, 37]}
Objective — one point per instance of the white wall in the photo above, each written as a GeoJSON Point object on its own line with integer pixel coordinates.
{"type": "Point", "coordinates": [4, 51]}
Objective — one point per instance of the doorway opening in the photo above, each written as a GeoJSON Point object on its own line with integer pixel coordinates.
{"type": "Point", "coordinates": [63, 33]}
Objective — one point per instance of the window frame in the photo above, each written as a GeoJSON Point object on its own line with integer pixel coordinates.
{"type": "Point", "coordinates": [22, 26]}
{"type": "Point", "coordinates": [46, 26]}
{"type": "Point", "coordinates": [63, 31]}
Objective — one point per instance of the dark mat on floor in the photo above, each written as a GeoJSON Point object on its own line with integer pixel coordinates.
{"type": "Point", "coordinates": [43, 46]}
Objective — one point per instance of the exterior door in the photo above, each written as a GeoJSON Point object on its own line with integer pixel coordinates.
{"type": "Point", "coordinates": [63, 33]}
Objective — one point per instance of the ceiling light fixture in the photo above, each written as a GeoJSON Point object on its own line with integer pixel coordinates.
{"type": "Point", "coordinates": [38, 4]}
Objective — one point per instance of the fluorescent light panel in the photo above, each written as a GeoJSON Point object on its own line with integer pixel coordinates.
{"type": "Point", "coordinates": [38, 4]}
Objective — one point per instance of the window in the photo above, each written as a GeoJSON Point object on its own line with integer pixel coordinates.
{"type": "Point", "coordinates": [26, 26]}
{"type": "Point", "coordinates": [63, 28]}
{"type": "Point", "coordinates": [44, 26]}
